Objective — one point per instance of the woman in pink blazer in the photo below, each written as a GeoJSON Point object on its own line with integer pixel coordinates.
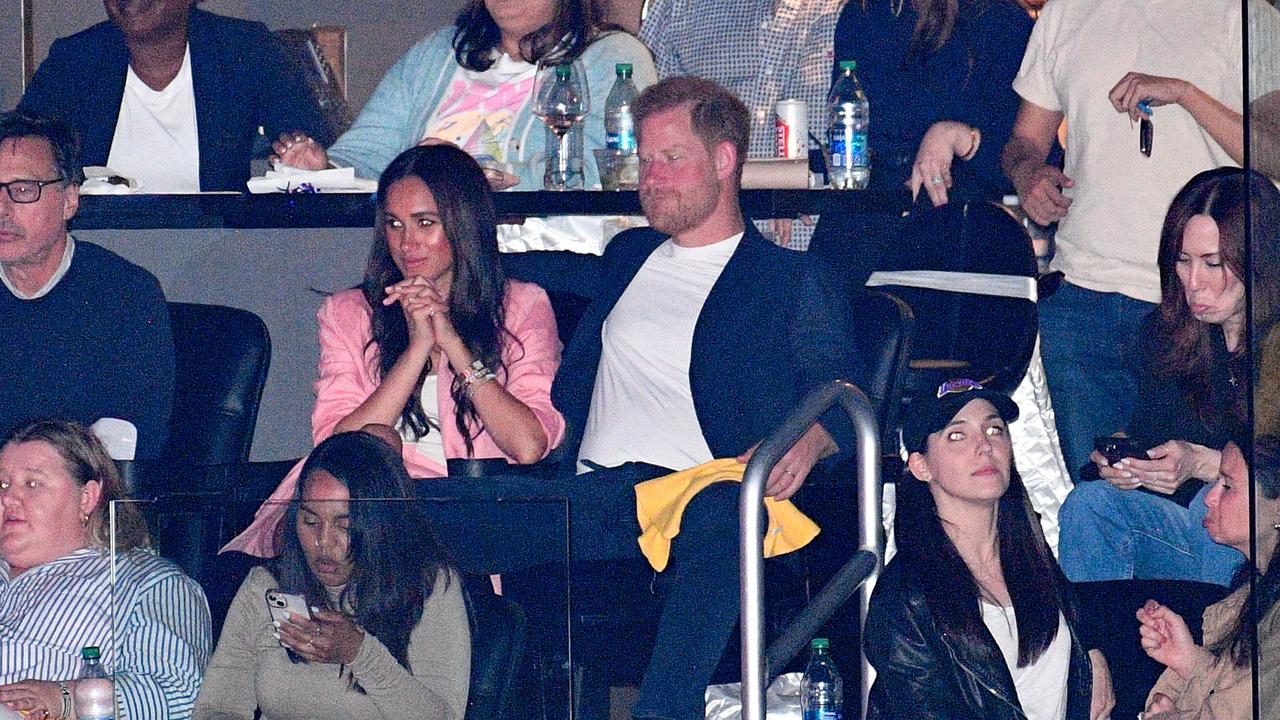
{"type": "Point", "coordinates": [435, 342]}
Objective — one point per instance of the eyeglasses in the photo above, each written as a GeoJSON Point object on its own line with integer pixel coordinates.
{"type": "Point", "coordinates": [961, 385]}
{"type": "Point", "coordinates": [27, 191]}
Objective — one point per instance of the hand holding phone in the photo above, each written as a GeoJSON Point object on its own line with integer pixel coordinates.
{"type": "Point", "coordinates": [283, 605]}
{"type": "Point", "coordinates": [1115, 448]}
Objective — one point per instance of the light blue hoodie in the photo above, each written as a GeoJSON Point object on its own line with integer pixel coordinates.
{"type": "Point", "coordinates": [396, 116]}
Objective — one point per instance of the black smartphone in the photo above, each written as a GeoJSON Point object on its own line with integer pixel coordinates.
{"type": "Point", "coordinates": [1146, 131]}
{"type": "Point", "coordinates": [1115, 449]}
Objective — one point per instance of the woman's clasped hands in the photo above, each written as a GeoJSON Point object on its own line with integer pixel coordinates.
{"type": "Point", "coordinates": [426, 310]}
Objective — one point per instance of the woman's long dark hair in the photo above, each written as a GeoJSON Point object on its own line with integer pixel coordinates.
{"type": "Point", "coordinates": [1237, 644]}
{"type": "Point", "coordinates": [395, 556]}
{"type": "Point", "coordinates": [1184, 345]}
{"type": "Point", "coordinates": [949, 589]}
{"type": "Point", "coordinates": [576, 23]}
{"type": "Point", "coordinates": [479, 285]}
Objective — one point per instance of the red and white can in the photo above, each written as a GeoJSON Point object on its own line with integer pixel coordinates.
{"type": "Point", "coordinates": [792, 129]}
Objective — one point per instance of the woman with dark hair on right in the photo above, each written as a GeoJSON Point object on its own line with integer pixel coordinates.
{"type": "Point", "coordinates": [971, 618]}
{"type": "Point", "coordinates": [387, 636]}
{"type": "Point", "coordinates": [1215, 680]}
{"type": "Point", "coordinates": [471, 84]}
{"type": "Point", "coordinates": [436, 341]}
{"type": "Point", "coordinates": [1194, 372]}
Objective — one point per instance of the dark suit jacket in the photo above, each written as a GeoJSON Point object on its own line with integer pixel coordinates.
{"type": "Point", "coordinates": [768, 333]}
{"type": "Point", "coordinates": [240, 77]}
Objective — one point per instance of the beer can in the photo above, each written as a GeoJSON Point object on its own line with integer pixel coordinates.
{"type": "Point", "coordinates": [792, 129]}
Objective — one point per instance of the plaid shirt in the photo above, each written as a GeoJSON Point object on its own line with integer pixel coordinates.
{"type": "Point", "coordinates": [763, 50]}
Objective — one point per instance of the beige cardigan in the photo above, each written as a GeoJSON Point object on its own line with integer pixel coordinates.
{"type": "Point", "coordinates": [251, 670]}
{"type": "Point", "coordinates": [1218, 690]}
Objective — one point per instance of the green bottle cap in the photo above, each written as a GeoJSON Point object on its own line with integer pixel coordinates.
{"type": "Point", "coordinates": [851, 65]}
{"type": "Point", "coordinates": [91, 653]}
{"type": "Point", "coordinates": [623, 70]}
{"type": "Point", "coordinates": [820, 644]}
{"type": "Point", "coordinates": [562, 71]}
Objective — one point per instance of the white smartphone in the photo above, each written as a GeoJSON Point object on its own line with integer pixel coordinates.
{"type": "Point", "coordinates": [280, 603]}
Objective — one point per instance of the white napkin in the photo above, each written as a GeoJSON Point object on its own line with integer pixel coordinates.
{"type": "Point", "coordinates": [781, 699]}
{"type": "Point", "coordinates": [333, 180]}
{"type": "Point", "coordinates": [96, 182]}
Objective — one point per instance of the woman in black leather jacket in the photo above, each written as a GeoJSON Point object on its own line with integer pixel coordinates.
{"type": "Point", "coordinates": [972, 618]}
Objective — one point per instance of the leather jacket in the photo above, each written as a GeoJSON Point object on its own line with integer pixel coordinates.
{"type": "Point", "coordinates": [922, 673]}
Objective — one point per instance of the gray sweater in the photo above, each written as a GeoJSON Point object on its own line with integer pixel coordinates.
{"type": "Point", "coordinates": [251, 670]}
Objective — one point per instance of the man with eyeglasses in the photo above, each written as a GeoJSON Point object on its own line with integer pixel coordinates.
{"type": "Point", "coordinates": [86, 333]}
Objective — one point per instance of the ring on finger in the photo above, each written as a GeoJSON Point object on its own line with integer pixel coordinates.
{"type": "Point", "coordinates": [936, 179]}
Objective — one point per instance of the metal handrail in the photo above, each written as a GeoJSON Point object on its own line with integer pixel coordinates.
{"type": "Point", "coordinates": [751, 555]}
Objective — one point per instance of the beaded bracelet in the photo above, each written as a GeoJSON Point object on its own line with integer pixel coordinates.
{"type": "Point", "coordinates": [476, 376]}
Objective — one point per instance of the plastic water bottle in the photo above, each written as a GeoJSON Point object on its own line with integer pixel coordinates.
{"type": "Point", "coordinates": [95, 695]}
{"type": "Point", "coordinates": [619, 126]}
{"type": "Point", "coordinates": [821, 689]}
{"type": "Point", "coordinates": [848, 118]}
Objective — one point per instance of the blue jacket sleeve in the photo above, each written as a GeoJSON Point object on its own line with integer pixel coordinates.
{"type": "Point", "coordinates": [1000, 36]}
{"type": "Point", "coordinates": [287, 101]}
{"type": "Point", "coordinates": [395, 115]}
{"type": "Point", "coordinates": [824, 347]}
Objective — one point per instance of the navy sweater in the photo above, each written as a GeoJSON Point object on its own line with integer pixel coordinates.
{"type": "Point", "coordinates": [98, 345]}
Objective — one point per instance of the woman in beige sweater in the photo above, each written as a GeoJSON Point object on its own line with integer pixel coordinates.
{"type": "Point", "coordinates": [387, 635]}
{"type": "Point", "coordinates": [1216, 680]}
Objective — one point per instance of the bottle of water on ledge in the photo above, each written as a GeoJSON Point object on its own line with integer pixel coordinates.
{"type": "Point", "coordinates": [95, 695]}
{"type": "Point", "coordinates": [619, 126]}
{"type": "Point", "coordinates": [821, 689]}
{"type": "Point", "coordinates": [848, 119]}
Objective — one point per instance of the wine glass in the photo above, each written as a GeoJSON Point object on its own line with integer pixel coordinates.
{"type": "Point", "coordinates": [561, 100]}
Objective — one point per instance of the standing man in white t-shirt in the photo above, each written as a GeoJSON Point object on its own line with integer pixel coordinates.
{"type": "Point", "coordinates": [1090, 62]}
{"type": "Point", "coordinates": [701, 336]}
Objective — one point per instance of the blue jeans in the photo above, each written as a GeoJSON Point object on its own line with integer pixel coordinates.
{"type": "Point", "coordinates": [1087, 340]}
{"type": "Point", "coordinates": [1111, 534]}
{"type": "Point", "coordinates": [701, 603]}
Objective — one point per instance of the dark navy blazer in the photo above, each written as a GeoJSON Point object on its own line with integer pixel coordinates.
{"type": "Point", "coordinates": [768, 333]}
{"type": "Point", "coordinates": [240, 77]}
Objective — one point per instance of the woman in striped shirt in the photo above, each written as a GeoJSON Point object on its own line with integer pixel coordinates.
{"type": "Point", "coordinates": [59, 591]}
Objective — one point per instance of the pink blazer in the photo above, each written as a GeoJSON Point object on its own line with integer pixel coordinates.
{"type": "Point", "coordinates": [349, 372]}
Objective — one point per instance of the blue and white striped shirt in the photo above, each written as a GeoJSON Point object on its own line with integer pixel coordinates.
{"type": "Point", "coordinates": [153, 629]}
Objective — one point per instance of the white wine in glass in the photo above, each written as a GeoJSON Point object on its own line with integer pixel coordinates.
{"type": "Point", "coordinates": [561, 101]}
